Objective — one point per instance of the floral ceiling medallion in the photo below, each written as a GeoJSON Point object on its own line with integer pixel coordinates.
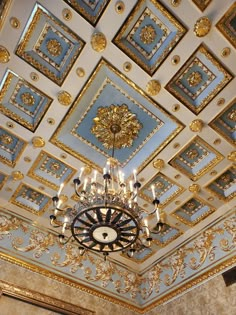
{"type": "Point", "coordinates": [122, 119]}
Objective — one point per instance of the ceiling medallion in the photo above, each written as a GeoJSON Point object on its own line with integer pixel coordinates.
{"type": "Point", "coordinates": [118, 119]}
{"type": "Point", "coordinates": [225, 52]}
{"type": "Point", "coordinates": [67, 14]}
{"type": "Point", "coordinates": [196, 125]}
{"type": "Point", "coordinates": [38, 142]}
{"type": "Point", "coordinates": [194, 188]}
{"type": "Point", "coordinates": [17, 175]}
{"type": "Point", "coordinates": [202, 26]}
{"type": "Point", "coordinates": [80, 72]}
{"type": "Point", "coordinates": [153, 87]}
{"type": "Point", "coordinates": [159, 164]}
{"type": "Point", "coordinates": [6, 139]}
{"type": "Point", "coordinates": [15, 23]}
{"type": "Point", "coordinates": [64, 98]}
{"type": "Point", "coordinates": [120, 7]}
{"type": "Point", "coordinates": [98, 42]}
{"type": "Point", "coordinates": [4, 55]}
{"type": "Point", "coordinates": [127, 66]}
{"type": "Point", "coordinates": [194, 78]}
{"type": "Point", "coordinates": [54, 47]}
{"type": "Point", "coordinates": [148, 34]}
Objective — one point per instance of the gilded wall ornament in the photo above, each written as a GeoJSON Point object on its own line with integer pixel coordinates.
{"type": "Point", "coordinates": [54, 166]}
{"type": "Point", "coordinates": [38, 142]}
{"type": "Point", "coordinates": [15, 23]}
{"type": "Point", "coordinates": [10, 124]}
{"type": "Point", "coordinates": [202, 26]}
{"type": "Point", "coordinates": [51, 121]}
{"type": "Point", "coordinates": [196, 125]}
{"type": "Point", "coordinates": [17, 175]}
{"type": "Point", "coordinates": [4, 55]}
{"type": "Point", "coordinates": [54, 47]}
{"type": "Point", "coordinates": [194, 188]}
{"type": "Point", "coordinates": [127, 66]}
{"type": "Point", "coordinates": [192, 154]}
{"type": "Point", "coordinates": [6, 139]}
{"type": "Point", "coordinates": [120, 7]}
{"type": "Point", "coordinates": [232, 156]}
{"type": "Point", "coordinates": [119, 117]}
{"type": "Point", "coordinates": [225, 52]}
{"type": "Point", "coordinates": [194, 78]}
{"type": "Point", "coordinates": [159, 164]}
{"type": "Point", "coordinates": [27, 99]}
{"type": "Point", "coordinates": [175, 107]}
{"type": "Point", "coordinates": [221, 102]}
{"type": "Point", "coordinates": [232, 115]}
{"type": "Point", "coordinates": [175, 60]}
{"type": "Point", "coordinates": [175, 3]}
{"type": "Point", "coordinates": [153, 87]}
{"type": "Point", "coordinates": [64, 98]}
{"type": "Point", "coordinates": [147, 34]}
{"type": "Point", "coordinates": [34, 76]}
{"type": "Point", "coordinates": [98, 42]}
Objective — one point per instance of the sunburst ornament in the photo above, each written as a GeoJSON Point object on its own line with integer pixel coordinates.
{"type": "Point", "coordinates": [116, 120]}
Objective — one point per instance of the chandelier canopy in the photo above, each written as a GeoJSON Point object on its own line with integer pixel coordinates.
{"type": "Point", "coordinates": [107, 217]}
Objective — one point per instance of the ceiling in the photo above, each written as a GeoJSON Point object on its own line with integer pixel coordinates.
{"type": "Point", "coordinates": [63, 60]}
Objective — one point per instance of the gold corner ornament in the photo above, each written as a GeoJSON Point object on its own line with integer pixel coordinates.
{"type": "Point", "coordinates": [120, 119]}
{"type": "Point", "coordinates": [4, 55]}
{"type": "Point", "coordinates": [98, 41]}
{"type": "Point", "coordinates": [232, 156]}
{"type": "Point", "coordinates": [38, 142]}
{"type": "Point", "coordinates": [196, 125]}
{"type": "Point", "coordinates": [153, 87]}
{"type": "Point", "coordinates": [194, 188]}
{"type": "Point", "coordinates": [17, 175]}
{"type": "Point", "coordinates": [64, 98]}
{"type": "Point", "coordinates": [159, 164]}
{"type": "Point", "coordinates": [202, 26]}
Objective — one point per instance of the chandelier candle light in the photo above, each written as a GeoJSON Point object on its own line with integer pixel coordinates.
{"type": "Point", "coordinates": [107, 217]}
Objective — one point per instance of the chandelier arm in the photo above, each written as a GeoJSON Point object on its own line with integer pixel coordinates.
{"type": "Point", "coordinates": [61, 238]}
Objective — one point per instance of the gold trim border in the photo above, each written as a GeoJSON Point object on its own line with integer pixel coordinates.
{"type": "Point", "coordinates": [41, 300]}
{"type": "Point", "coordinates": [190, 284]}
{"type": "Point", "coordinates": [4, 12]}
{"type": "Point", "coordinates": [201, 6]}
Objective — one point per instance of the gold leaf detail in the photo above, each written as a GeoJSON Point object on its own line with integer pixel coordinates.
{"type": "Point", "coordinates": [202, 26]}
{"type": "Point", "coordinates": [148, 34]}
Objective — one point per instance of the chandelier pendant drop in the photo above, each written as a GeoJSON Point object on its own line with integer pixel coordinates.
{"type": "Point", "coordinates": [107, 217]}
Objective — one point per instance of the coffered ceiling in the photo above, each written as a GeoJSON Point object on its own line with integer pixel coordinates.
{"type": "Point", "coordinates": [171, 64]}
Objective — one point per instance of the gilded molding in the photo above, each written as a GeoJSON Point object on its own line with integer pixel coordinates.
{"type": "Point", "coordinates": [159, 164]}
{"type": "Point", "coordinates": [17, 175]}
{"type": "Point", "coordinates": [38, 142]}
{"type": "Point", "coordinates": [98, 42]}
{"type": "Point", "coordinates": [64, 98]}
{"type": "Point", "coordinates": [196, 125]}
{"type": "Point", "coordinates": [202, 26]}
{"type": "Point", "coordinates": [153, 87]}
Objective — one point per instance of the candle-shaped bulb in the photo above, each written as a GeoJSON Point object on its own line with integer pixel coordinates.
{"type": "Point", "coordinates": [95, 176]}
{"type": "Point", "coordinates": [81, 172]}
{"type": "Point", "coordinates": [60, 189]}
{"type": "Point", "coordinates": [131, 185]}
{"type": "Point", "coordinates": [85, 183]}
{"type": "Point", "coordinates": [63, 228]}
{"type": "Point", "coordinates": [135, 175]}
{"type": "Point", "coordinates": [146, 227]}
{"type": "Point", "coordinates": [158, 214]}
{"type": "Point", "coordinates": [153, 191]}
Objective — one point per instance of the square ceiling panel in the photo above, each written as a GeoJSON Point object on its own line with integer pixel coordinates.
{"type": "Point", "coordinates": [21, 101]}
{"type": "Point", "coordinates": [11, 147]}
{"type": "Point", "coordinates": [90, 10]}
{"type": "Point", "coordinates": [165, 189]}
{"type": "Point", "coordinates": [227, 25]}
{"type": "Point", "coordinates": [149, 35]}
{"type": "Point", "coordinates": [108, 91]}
{"type": "Point", "coordinates": [50, 171]}
{"type": "Point", "coordinates": [193, 211]}
{"type": "Point", "coordinates": [30, 199]}
{"type": "Point", "coordinates": [167, 235]}
{"type": "Point", "coordinates": [200, 79]}
{"type": "Point", "coordinates": [224, 123]}
{"type": "Point", "coordinates": [224, 186]}
{"type": "Point", "coordinates": [197, 158]}
{"type": "Point", "coordinates": [49, 45]}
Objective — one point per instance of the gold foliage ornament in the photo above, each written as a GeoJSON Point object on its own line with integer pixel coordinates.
{"type": "Point", "coordinates": [98, 42]}
{"type": "Point", "coordinates": [202, 26]}
{"type": "Point", "coordinates": [116, 120]}
{"type": "Point", "coordinates": [4, 55]}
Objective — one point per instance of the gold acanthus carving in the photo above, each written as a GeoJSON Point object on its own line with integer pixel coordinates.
{"type": "Point", "coordinates": [38, 142]}
{"type": "Point", "coordinates": [98, 42]}
{"type": "Point", "coordinates": [147, 34]}
{"type": "Point", "coordinates": [54, 47]}
{"type": "Point", "coordinates": [159, 164]}
{"type": "Point", "coordinates": [202, 26]}
{"type": "Point", "coordinates": [194, 188]}
{"type": "Point", "coordinates": [6, 139]}
{"type": "Point", "coordinates": [119, 117]}
{"type": "Point", "coordinates": [232, 156]}
{"type": "Point", "coordinates": [64, 98]}
{"type": "Point", "coordinates": [27, 99]}
{"type": "Point", "coordinates": [8, 224]}
{"type": "Point", "coordinates": [196, 125]}
{"type": "Point", "coordinates": [17, 175]}
{"type": "Point", "coordinates": [194, 78]}
{"type": "Point", "coordinates": [4, 55]}
{"type": "Point", "coordinates": [153, 87]}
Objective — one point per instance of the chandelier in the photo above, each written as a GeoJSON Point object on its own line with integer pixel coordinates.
{"type": "Point", "coordinates": [107, 217]}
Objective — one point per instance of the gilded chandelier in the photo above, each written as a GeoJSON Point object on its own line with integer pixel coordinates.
{"type": "Point", "coordinates": [107, 217]}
